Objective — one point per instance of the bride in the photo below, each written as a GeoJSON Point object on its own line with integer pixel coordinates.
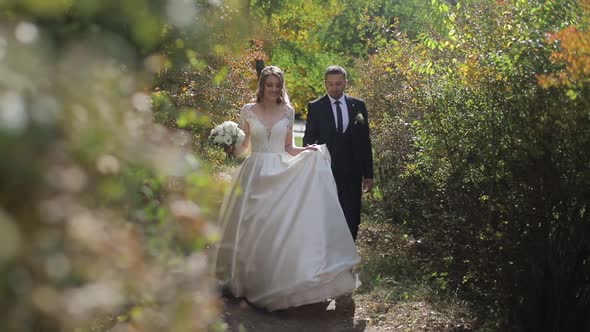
{"type": "Point", "coordinates": [285, 241]}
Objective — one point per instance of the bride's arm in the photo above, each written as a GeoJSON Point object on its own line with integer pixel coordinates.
{"type": "Point", "coordinates": [295, 150]}
{"type": "Point", "coordinates": [242, 148]}
{"type": "Point", "coordinates": [289, 147]}
{"type": "Point", "coordinates": [238, 150]}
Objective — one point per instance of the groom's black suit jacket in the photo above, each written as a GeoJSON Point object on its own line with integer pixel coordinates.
{"type": "Point", "coordinates": [351, 152]}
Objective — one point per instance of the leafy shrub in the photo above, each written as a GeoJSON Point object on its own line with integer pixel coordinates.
{"type": "Point", "coordinates": [492, 175]}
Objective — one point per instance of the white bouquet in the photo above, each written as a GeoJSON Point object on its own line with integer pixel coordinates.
{"type": "Point", "coordinates": [226, 134]}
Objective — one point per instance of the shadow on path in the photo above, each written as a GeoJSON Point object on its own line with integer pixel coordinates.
{"type": "Point", "coordinates": [330, 316]}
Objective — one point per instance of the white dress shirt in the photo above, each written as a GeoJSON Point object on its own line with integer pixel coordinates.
{"type": "Point", "coordinates": [344, 109]}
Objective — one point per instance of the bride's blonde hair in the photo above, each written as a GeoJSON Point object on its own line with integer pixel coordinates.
{"type": "Point", "coordinates": [264, 74]}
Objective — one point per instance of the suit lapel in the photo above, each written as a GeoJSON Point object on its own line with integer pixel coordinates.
{"type": "Point", "coordinates": [351, 112]}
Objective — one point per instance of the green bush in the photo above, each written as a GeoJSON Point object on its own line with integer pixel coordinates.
{"type": "Point", "coordinates": [491, 174]}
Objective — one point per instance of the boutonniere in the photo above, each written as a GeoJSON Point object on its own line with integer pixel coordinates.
{"type": "Point", "coordinates": [359, 118]}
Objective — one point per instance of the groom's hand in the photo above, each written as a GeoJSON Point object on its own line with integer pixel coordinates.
{"type": "Point", "coordinates": [313, 147]}
{"type": "Point", "coordinates": [367, 185]}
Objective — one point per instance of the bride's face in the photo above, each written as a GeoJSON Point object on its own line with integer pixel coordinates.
{"type": "Point", "coordinates": [272, 87]}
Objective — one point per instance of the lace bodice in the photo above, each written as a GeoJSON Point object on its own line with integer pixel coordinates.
{"type": "Point", "coordinates": [267, 138]}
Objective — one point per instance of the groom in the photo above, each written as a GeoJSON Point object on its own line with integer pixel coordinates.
{"type": "Point", "coordinates": [341, 122]}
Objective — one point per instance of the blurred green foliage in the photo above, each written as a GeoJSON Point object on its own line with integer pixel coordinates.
{"type": "Point", "coordinates": [104, 212]}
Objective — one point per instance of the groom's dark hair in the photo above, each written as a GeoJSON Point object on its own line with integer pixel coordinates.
{"type": "Point", "coordinates": [335, 70]}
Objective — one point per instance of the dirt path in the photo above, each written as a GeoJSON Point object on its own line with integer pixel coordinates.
{"type": "Point", "coordinates": [334, 316]}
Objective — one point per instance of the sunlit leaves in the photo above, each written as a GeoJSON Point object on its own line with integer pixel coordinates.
{"type": "Point", "coordinates": [190, 117]}
{"type": "Point", "coordinates": [486, 143]}
{"type": "Point", "coordinates": [221, 75]}
{"type": "Point", "coordinates": [573, 51]}
{"type": "Point", "coordinates": [307, 36]}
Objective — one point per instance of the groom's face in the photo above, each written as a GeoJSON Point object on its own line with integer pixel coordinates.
{"type": "Point", "coordinates": [335, 85]}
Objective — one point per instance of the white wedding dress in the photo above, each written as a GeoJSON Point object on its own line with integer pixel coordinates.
{"type": "Point", "coordinates": [285, 241]}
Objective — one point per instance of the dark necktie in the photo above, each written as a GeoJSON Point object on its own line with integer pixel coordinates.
{"type": "Point", "coordinates": [339, 117]}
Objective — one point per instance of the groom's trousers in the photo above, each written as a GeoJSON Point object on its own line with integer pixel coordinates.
{"type": "Point", "coordinates": [349, 195]}
{"type": "Point", "coordinates": [348, 180]}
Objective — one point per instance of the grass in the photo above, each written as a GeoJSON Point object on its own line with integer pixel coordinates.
{"type": "Point", "coordinates": [298, 141]}
{"type": "Point", "coordinates": [395, 292]}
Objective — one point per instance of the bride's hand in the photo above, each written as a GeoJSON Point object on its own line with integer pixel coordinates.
{"type": "Point", "coordinates": [312, 147]}
{"type": "Point", "coordinates": [230, 149]}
